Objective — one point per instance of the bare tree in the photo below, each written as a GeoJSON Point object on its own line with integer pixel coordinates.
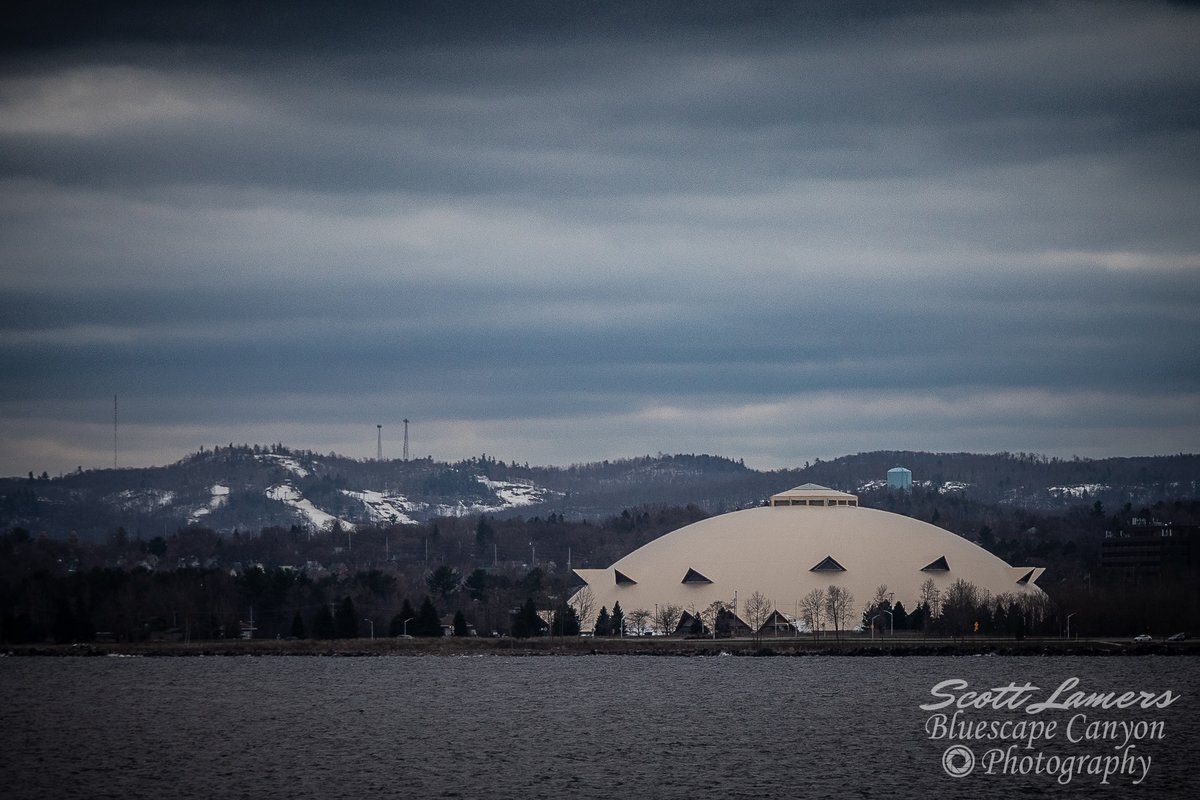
{"type": "Point", "coordinates": [960, 606]}
{"type": "Point", "coordinates": [837, 608]}
{"type": "Point", "coordinates": [758, 611]}
{"type": "Point", "coordinates": [931, 599]}
{"type": "Point", "coordinates": [880, 605]}
{"type": "Point", "coordinates": [584, 603]}
{"type": "Point", "coordinates": [667, 618]}
{"type": "Point", "coordinates": [638, 619]}
{"type": "Point", "coordinates": [709, 615]}
{"type": "Point", "coordinates": [1035, 608]}
{"type": "Point", "coordinates": [812, 609]}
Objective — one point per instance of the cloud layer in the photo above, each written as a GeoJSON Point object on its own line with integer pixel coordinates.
{"type": "Point", "coordinates": [569, 232]}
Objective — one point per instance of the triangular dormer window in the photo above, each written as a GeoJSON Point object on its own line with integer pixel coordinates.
{"type": "Point", "coordinates": [623, 579]}
{"type": "Point", "coordinates": [829, 564]}
{"type": "Point", "coordinates": [937, 565]}
{"type": "Point", "coordinates": [694, 577]}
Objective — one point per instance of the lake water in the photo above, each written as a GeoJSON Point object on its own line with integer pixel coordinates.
{"type": "Point", "coordinates": [561, 727]}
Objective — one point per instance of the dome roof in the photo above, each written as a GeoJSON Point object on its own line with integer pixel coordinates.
{"type": "Point", "coordinates": [785, 551]}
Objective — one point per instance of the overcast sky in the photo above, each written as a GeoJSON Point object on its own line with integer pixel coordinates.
{"type": "Point", "coordinates": [567, 232]}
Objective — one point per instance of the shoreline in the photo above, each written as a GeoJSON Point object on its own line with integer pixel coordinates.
{"type": "Point", "coordinates": [652, 647]}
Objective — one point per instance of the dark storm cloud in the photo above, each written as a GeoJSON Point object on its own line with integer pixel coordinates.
{"type": "Point", "coordinates": [653, 212]}
{"type": "Point", "coordinates": [1074, 332]}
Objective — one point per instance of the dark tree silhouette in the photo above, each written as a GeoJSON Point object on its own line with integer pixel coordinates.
{"type": "Point", "coordinates": [427, 622]}
{"type": "Point", "coordinates": [298, 626]}
{"type": "Point", "coordinates": [346, 621]}
{"type": "Point", "coordinates": [397, 627]}
{"type": "Point", "coordinates": [323, 627]}
{"type": "Point", "coordinates": [617, 623]}
{"type": "Point", "coordinates": [603, 624]}
{"type": "Point", "coordinates": [526, 622]}
{"type": "Point", "coordinates": [444, 581]}
{"type": "Point", "coordinates": [566, 621]}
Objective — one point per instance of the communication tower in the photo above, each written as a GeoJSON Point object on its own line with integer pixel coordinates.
{"type": "Point", "coordinates": [379, 444]}
{"type": "Point", "coordinates": [406, 440]}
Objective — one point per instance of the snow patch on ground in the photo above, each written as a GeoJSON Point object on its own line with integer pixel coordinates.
{"type": "Point", "coordinates": [515, 495]}
{"type": "Point", "coordinates": [953, 486]}
{"type": "Point", "coordinates": [143, 499]}
{"type": "Point", "coordinates": [870, 486]}
{"type": "Point", "coordinates": [287, 494]}
{"type": "Point", "coordinates": [461, 509]}
{"type": "Point", "coordinates": [508, 495]}
{"type": "Point", "coordinates": [390, 508]}
{"type": "Point", "coordinates": [287, 462]}
{"type": "Point", "coordinates": [1083, 490]}
{"type": "Point", "coordinates": [219, 496]}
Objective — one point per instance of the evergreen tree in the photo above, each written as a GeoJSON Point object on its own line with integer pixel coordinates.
{"type": "Point", "coordinates": [397, 628]}
{"type": "Point", "coordinates": [531, 584]}
{"type": "Point", "coordinates": [484, 533]}
{"type": "Point", "coordinates": [566, 621]}
{"type": "Point", "coordinates": [526, 622]}
{"type": "Point", "coordinates": [460, 624]}
{"type": "Point", "coordinates": [323, 627]}
{"type": "Point", "coordinates": [345, 622]}
{"type": "Point", "coordinates": [476, 585]}
{"type": "Point", "coordinates": [444, 581]}
{"type": "Point", "coordinates": [602, 627]}
{"type": "Point", "coordinates": [298, 626]}
{"type": "Point", "coordinates": [427, 622]}
{"type": "Point", "coordinates": [919, 617]}
{"type": "Point", "coordinates": [617, 624]}
{"type": "Point", "coordinates": [899, 616]}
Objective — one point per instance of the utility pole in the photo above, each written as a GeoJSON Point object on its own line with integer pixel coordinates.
{"type": "Point", "coordinates": [379, 444]}
{"type": "Point", "coordinates": [406, 440]}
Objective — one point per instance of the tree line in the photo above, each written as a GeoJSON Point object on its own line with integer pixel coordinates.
{"type": "Point", "coordinates": [511, 576]}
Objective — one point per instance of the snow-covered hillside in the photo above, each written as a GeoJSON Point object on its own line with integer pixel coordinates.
{"type": "Point", "coordinates": [289, 495]}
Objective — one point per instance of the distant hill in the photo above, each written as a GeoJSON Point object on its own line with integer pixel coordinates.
{"type": "Point", "coordinates": [247, 488]}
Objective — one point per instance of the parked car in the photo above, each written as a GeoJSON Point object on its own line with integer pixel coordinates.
{"type": "Point", "coordinates": [1145, 637]}
{"type": "Point", "coordinates": [1179, 637]}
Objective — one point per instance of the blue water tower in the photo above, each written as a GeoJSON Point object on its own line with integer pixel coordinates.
{"type": "Point", "coordinates": [900, 479]}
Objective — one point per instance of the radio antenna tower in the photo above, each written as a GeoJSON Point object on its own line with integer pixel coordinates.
{"type": "Point", "coordinates": [379, 444]}
{"type": "Point", "coordinates": [406, 440]}
{"type": "Point", "coordinates": [114, 431]}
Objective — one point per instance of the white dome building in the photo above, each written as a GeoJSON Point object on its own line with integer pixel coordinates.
{"type": "Point", "coordinates": [809, 537]}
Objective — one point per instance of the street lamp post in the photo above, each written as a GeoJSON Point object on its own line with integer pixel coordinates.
{"type": "Point", "coordinates": [405, 629]}
{"type": "Point", "coordinates": [873, 626]}
{"type": "Point", "coordinates": [370, 622]}
{"type": "Point", "coordinates": [891, 623]}
{"type": "Point", "coordinates": [1073, 613]}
